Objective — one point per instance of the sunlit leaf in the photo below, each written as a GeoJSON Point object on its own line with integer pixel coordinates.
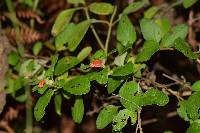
{"type": "Point", "coordinates": [78, 110]}
{"type": "Point", "coordinates": [43, 101]}
{"type": "Point", "coordinates": [58, 103]}
{"type": "Point", "coordinates": [84, 53]}
{"type": "Point", "coordinates": [196, 86]}
{"type": "Point", "coordinates": [101, 8]}
{"type": "Point", "coordinates": [106, 116]}
{"type": "Point", "coordinates": [189, 3]}
{"type": "Point", "coordinates": [125, 70]}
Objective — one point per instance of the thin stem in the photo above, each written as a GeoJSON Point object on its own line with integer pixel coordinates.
{"type": "Point", "coordinates": [100, 21]}
{"type": "Point", "coordinates": [29, 112]}
{"type": "Point", "coordinates": [32, 21]}
{"type": "Point", "coordinates": [94, 31]}
{"type": "Point", "coordinates": [110, 29]}
{"type": "Point", "coordinates": [10, 6]}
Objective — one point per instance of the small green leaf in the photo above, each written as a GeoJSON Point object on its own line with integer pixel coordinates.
{"type": "Point", "coordinates": [78, 33]}
{"type": "Point", "coordinates": [127, 95]}
{"type": "Point", "coordinates": [84, 53]}
{"type": "Point", "coordinates": [196, 86]}
{"type": "Point", "coordinates": [125, 70]}
{"type": "Point", "coordinates": [164, 24]}
{"type": "Point", "coordinates": [113, 84]}
{"type": "Point", "coordinates": [106, 116]}
{"type": "Point", "coordinates": [125, 32]}
{"type": "Point", "coordinates": [100, 55]}
{"type": "Point", "coordinates": [76, 1]}
{"type": "Point", "coordinates": [37, 48]}
{"type": "Point", "coordinates": [101, 8]}
{"type": "Point", "coordinates": [120, 120]}
{"type": "Point", "coordinates": [179, 31]}
{"type": "Point", "coordinates": [189, 3]}
{"type": "Point", "coordinates": [150, 30]}
{"type": "Point", "coordinates": [182, 110]}
{"type": "Point", "coordinates": [194, 128]}
{"type": "Point", "coordinates": [64, 36]}
{"type": "Point", "coordinates": [13, 58]}
{"type": "Point", "coordinates": [77, 86]}
{"type": "Point", "coordinates": [58, 103]}
{"type": "Point", "coordinates": [62, 20]}
{"type": "Point", "coordinates": [134, 6]}
{"type": "Point", "coordinates": [184, 48]}
{"type": "Point", "coordinates": [168, 132]}
{"type": "Point", "coordinates": [64, 64]}
{"type": "Point", "coordinates": [119, 60]}
{"type": "Point", "coordinates": [149, 13]}
{"type": "Point", "coordinates": [49, 73]}
{"type": "Point", "coordinates": [154, 96]}
{"type": "Point", "coordinates": [43, 101]}
{"type": "Point", "coordinates": [149, 48]}
{"type": "Point", "coordinates": [78, 110]}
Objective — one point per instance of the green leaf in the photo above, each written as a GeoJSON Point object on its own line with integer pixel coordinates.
{"type": "Point", "coordinates": [134, 6]}
{"type": "Point", "coordinates": [182, 110]}
{"type": "Point", "coordinates": [77, 86]}
{"type": "Point", "coordinates": [78, 110]}
{"type": "Point", "coordinates": [106, 116]}
{"type": "Point", "coordinates": [43, 101]}
{"type": "Point", "coordinates": [189, 3]}
{"type": "Point", "coordinates": [150, 30]}
{"type": "Point", "coordinates": [101, 8]}
{"type": "Point", "coordinates": [127, 98]}
{"type": "Point", "coordinates": [194, 128]}
{"type": "Point", "coordinates": [113, 84]}
{"type": "Point", "coordinates": [62, 20]}
{"type": "Point", "coordinates": [101, 77]}
{"type": "Point", "coordinates": [100, 55]}
{"type": "Point", "coordinates": [196, 86]}
{"type": "Point", "coordinates": [58, 103]}
{"type": "Point", "coordinates": [64, 36]}
{"type": "Point", "coordinates": [119, 60]}
{"type": "Point", "coordinates": [149, 13]}
{"type": "Point", "coordinates": [78, 34]}
{"type": "Point", "coordinates": [149, 48]}
{"type": "Point", "coordinates": [64, 64]}
{"type": "Point", "coordinates": [84, 53]}
{"type": "Point", "coordinates": [41, 90]}
{"type": "Point", "coordinates": [120, 120]}
{"type": "Point", "coordinates": [164, 24]}
{"type": "Point", "coordinates": [76, 1]}
{"type": "Point", "coordinates": [13, 58]}
{"type": "Point", "coordinates": [125, 70]}
{"type": "Point", "coordinates": [49, 73]}
{"type": "Point", "coordinates": [37, 47]}
{"type": "Point", "coordinates": [154, 96]}
{"type": "Point", "coordinates": [179, 31]}
{"type": "Point", "coordinates": [184, 48]}
{"type": "Point", "coordinates": [125, 31]}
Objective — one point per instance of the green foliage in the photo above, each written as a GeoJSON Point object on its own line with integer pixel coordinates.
{"type": "Point", "coordinates": [120, 120]}
{"type": "Point", "coordinates": [77, 86]}
{"type": "Point", "coordinates": [100, 54]}
{"type": "Point", "coordinates": [49, 73]}
{"type": "Point", "coordinates": [179, 31]}
{"type": "Point", "coordinates": [151, 30]}
{"type": "Point", "coordinates": [78, 110]}
{"type": "Point", "coordinates": [37, 48]}
{"type": "Point", "coordinates": [76, 1]}
{"type": "Point", "coordinates": [151, 12]}
{"type": "Point", "coordinates": [84, 53]}
{"type": "Point", "coordinates": [184, 48]}
{"type": "Point", "coordinates": [119, 60]}
{"type": "Point", "coordinates": [113, 84]}
{"type": "Point", "coordinates": [126, 34]}
{"type": "Point", "coordinates": [149, 48]}
{"type": "Point", "coordinates": [13, 58]}
{"type": "Point", "coordinates": [58, 103]}
{"type": "Point", "coordinates": [125, 70]}
{"type": "Point", "coordinates": [189, 3]}
{"type": "Point", "coordinates": [101, 8]}
{"type": "Point", "coordinates": [196, 86]}
{"type": "Point", "coordinates": [64, 64]}
{"type": "Point", "coordinates": [106, 116]}
{"type": "Point", "coordinates": [194, 127]}
{"type": "Point", "coordinates": [62, 21]}
{"type": "Point", "coordinates": [134, 6]}
{"type": "Point", "coordinates": [43, 101]}
{"type": "Point", "coordinates": [164, 25]}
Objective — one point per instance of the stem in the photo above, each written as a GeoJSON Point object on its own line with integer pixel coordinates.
{"type": "Point", "coordinates": [100, 21]}
{"type": "Point", "coordinates": [94, 31]}
{"type": "Point", "coordinates": [29, 112]}
{"type": "Point", "coordinates": [110, 29]}
{"type": "Point", "coordinates": [10, 6]}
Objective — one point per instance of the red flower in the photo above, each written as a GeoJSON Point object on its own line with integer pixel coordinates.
{"type": "Point", "coordinates": [96, 63]}
{"type": "Point", "coordinates": [41, 84]}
